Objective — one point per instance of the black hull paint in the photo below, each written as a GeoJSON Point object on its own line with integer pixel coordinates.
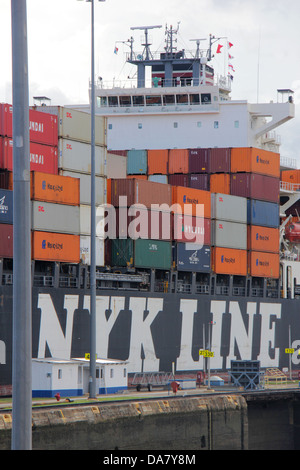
{"type": "Point", "coordinates": [153, 331]}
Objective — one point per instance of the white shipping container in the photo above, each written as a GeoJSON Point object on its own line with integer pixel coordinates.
{"type": "Point", "coordinates": [116, 166]}
{"type": "Point", "coordinates": [228, 207]}
{"type": "Point", "coordinates": [85, 250]}
{"type": "Point", "coordinates": [76, 156]}
{"type": "Point", "coordinates": [57, 218]}
{"type": "Point", "coordinates": [229, 234]}
{"type": "Point", "coordinates": [76, 125]}
{"type": "Point", "coordinates": [85, 220]}
{"type": "Point", "coordinates": [85, 187]}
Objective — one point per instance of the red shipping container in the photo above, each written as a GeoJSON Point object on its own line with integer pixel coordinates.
{"type": "Point", "coordinates": [179, 180]}
{"type": "Point", "coordinates": [139, 191]}
{"type": "Point", "coordinates": [6, 241]}
{"type": "Point", "coordinates": [190, 229]}
{"type": "Point", "coordinates": [43, 158]}
{"type": "Point", "coordinates": [255, 186]}
{"type": "Point", "coordinates": [199, 181]}
{"type": "Point", "coordinates": [43, 127]}
{"type": "Point", "coordinates": [199, 160]}
{"type": "Point", "coordinates": [178, 161]}
{"type": "Point", "coordinates": [220, 160]}
{"type": "Point", "coordinates": [140, 223]}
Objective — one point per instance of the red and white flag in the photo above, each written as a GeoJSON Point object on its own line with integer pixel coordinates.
{"type": "Point", "coordinates": [230, 44]}
{"type": "Point", "coordinates": [219, 49]}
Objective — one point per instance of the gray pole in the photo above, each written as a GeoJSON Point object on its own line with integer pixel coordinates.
{"type": "Point", "coordinates": [93, 225]}
{"type": "Point", "coordinates": [22, 340]}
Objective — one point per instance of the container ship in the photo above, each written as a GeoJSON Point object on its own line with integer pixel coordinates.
{"type": "Point", "coordinates": [198, 229]}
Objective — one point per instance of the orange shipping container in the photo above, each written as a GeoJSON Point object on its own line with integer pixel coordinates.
{"type": "Point", "coordinates": [178, 161]}
{"type": "Point", "coordinates": [49, 246]}
{"type": "Point", "coordinates": [229, 261]}
{"type": "Point", "coordinates": [254, 160]}
{"type": "Point", "coordinates": [158, 162]}
{"type": "Point", "coordinates": [290, 176]}
{"type": "Point", "coordinates": [262, 264]}
{"type": "Point", "coordinates": [192, 201]}
{"type": "Point", "coordinates": [137, 177]}
{"type": "Point", "coordinates": [55, 188]}
{"type": "Point", "coordinates": [263, 239]}
{"type": "Point", "coordinates": [220, 183]}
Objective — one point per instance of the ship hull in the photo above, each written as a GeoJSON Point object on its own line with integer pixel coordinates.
{"type": "Point", "coordinates": [155, 331]}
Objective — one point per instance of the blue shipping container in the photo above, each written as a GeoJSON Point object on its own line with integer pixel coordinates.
{"type": "Point", "coordinates": [6, 206]}
{"type": "Point", "coordinates": [262, 213]}
{"type": "Point", "coordinates": [189, 258]}
{"type": "Point", "coordinates": [137, 162]}
{"type": "Point", "coordinates": [158, 179]}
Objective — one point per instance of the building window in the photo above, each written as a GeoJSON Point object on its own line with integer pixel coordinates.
{"type": "Point", "coordinates": [140, 125]}
{"type": "Point", "coordinates": [112, 101]}
{"type": "Point", "coordinates": [216, 124]}
{"type": "Point", "coordinates": [236, 124]}
{"type": "Point", "coordinates": [175, 125]}
{"type": "Point", "coordinates": [199, 124]}
{"type": "Point", "coordinates": [195, 99]}
{"type": "Point", "coordinates": [182, 99]}
{"type": "Point", "coordinates": [109, 126]}
{"type": "Point", "coordinates": [59, 373]}
{"type": "Point", "coordinates": [125, 372]}
{"type": "Point", "coordinates": [111, 373]}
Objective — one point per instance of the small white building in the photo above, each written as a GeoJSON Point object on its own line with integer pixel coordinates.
{"type": "Point", "coordinates": [71, 377]}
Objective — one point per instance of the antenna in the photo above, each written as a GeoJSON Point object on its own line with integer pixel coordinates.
{"type": "Point", "coordinates": [146, 44]}
{"type": "Point", "coordinates": [198, 46]}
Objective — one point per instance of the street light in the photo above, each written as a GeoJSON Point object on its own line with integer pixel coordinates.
{"type": "Point", "coordinates": [92, 382]}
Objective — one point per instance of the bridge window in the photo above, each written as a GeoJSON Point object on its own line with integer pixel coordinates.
{"type": "Point", "coordinates": [153, 100]}
{"type": "Point", "coordinates": [101, 101]}
{"type": "Point", "coordinates": [112, 101]}
{"type": "Point", "coordinates": [138, 100]}
{"type": "Point", "coordinates": [169, 99]}
{"type": "Point", "coordinates": [195, 99]}
{"type": "Point", "coordinates": [125, 100]}
{"type": "Point", "coordinates": [182, 99]}
{"type": "Point", "coordinates": [205, 98]}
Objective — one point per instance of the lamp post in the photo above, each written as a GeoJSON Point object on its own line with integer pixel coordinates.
{"type": "Point", "coordinates": [92, 380]}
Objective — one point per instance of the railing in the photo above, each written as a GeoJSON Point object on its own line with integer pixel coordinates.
{"type": "Point", "coordinates": [286, 186]}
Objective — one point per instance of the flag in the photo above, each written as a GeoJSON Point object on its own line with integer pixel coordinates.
{"type": "Point", "coordinates": [219, 49]}
{"type": "Point", "coordinates": [230, 44]}
{"type": "Point", "coordinates": [116, 50]}
{"type": "Point", "coordinates": [230, 56]}
{"type": "Point", "coordinates": [231, 66]}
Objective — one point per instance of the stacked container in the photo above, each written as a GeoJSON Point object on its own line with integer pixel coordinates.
{"type": "Point", "coordinates": [74, 160]}
{"type": "Point", "coordinates": [229, 234]}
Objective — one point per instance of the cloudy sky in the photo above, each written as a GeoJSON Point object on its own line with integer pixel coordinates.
{"type": "Point", "coordinates": [265, 35]}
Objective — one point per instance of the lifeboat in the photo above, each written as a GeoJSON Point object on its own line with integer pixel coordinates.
{"type": "Point", "coordinates": [292, 232]}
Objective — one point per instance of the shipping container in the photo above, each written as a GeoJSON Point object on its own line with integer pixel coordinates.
{"type": "Point", "coordinates": [199, 181]}
{"type": "Point", "coordinates": [55, 188]}
{"type": "Point", "coordinates": [137, 162]}
{"type": "Point", "coordinates": [6, 179]}
{"type": "Point", "coordinates": [199, 160]}
{"type": "Point", "coordinates": [178, 161]}
{"type": "Point", "coordinates": [188, 257]}
{"type": "Point", "coordinates": [189, 229]}
{"type": "Point", "coordinates": [158, 162]}
{"type": "Point", "coordinates": [220, 183]}
{"type": "Point", "coordinates": [58, 218]}
{"type": "Point", "coordinates": [43, 158]}
{"type": "Point", "coordinates": [262, 264]}
{"type": "Point", "coordinates": [255, 186]}
{"type": "Point", "coordinates": [163, 179]}
{"type": "Point", "coordinates": [227, 207]}
{"type": "Point", "coordinates": [254, 160]}
{"type": "Point", "coordinates": [262, 213]}
{"type": "Point", "coordinates": [76, 125]}
{"type": "Point", "coordinates": [76, 156]}
{"type": "Point", "coordinates": [139, 177]}
{"type": "Point", "coordinates": [140, 223]}
{"type": "Point", "coordinates": [179, 180]}
{"type": "Point", "coordinates": [6, 206]}
{"type": "Point", "coordinates": [151, 254]}
{"type": "Point", "coordinates": [229, 261]}
{"type": "Point", "coordinates": [85, 220]}
{"type": "Point", "coordinates": [85, 250]}
{"type": "Point", "coordinates": [42, 126]}
{"type": "Point", "coordinates": [138, 191]}
{"type": "Point", "coordinates": [47, 246]}
{"type": "Point", "coordinates": [220, 159]}
{"type": "Point", "coordinates": [290, 176]}
{"type": "Point", "coordinates": [263, 239]}
{"type": "Point", "coordinates": [229, 234]}
{"type": "Point", "coordinates": [85, 187]}
{"type": "Point", "coordinates": [192, 201]}
{"type": "Point", "coordinates": [116, 165]}
{"type": "Point", "coordinates": [6, 241]}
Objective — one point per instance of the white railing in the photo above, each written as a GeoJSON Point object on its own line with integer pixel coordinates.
{"type": "Point", "coordinates": [284, 185]}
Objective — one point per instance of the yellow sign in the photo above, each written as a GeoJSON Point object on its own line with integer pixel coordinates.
{"type": "Point", "coordinates": [87, 356]}
{"type": "Point", "coordinates": [205, 353]}
{"type": "Point", "coordinates": [289, 350]}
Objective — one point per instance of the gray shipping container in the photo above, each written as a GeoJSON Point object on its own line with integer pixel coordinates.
{"type": "Point", "coordinates": [76, 156]}
{"type": "Point", "coordinates": [227, 207]}
{"type": "Point", "coordinates": [229, 234]}
{"type": "Point", "coordinates": [76, 125]}
{"type": "Point", "coordinates": [85, 187]}
{"type": "Point", "coordinates": [58, 218]}
{"type": "Point", "coordinates": [188, 259]}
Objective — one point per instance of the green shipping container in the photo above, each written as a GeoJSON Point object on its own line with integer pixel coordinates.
{"type": "Point", "coordinates": [141, 253]}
